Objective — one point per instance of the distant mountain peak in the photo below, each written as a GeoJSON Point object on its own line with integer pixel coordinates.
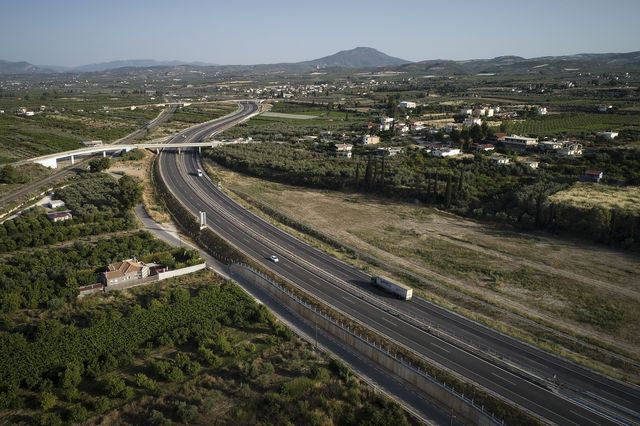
{"type": "Point", "coordinates": [358, 57]}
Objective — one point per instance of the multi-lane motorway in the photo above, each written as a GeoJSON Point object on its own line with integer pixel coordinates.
{"type": "Point", "coordinates": [595, 398]}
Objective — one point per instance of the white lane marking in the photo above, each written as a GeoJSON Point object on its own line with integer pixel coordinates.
{"type": "Point", "coordinates": [502, 378]}
{"type": "Point", "coordinates": [583, 417]}
{"type": "Point", "coordinates": [439, 346]}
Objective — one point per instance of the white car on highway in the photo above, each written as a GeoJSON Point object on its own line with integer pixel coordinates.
{"type": "Point", "coordinates": [274, 258]}
{"type": "Point", "coordinates": [199, 173]}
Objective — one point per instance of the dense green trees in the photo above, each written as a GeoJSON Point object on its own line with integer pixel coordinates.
{"type": "Point", "coordinates": [99, 204]}
{"type": "Point", "coordinates": [90, 350]}
{"type": "Point", "coordinates": [46, 274]}
{"type": "Point", "coordinates": [512, 193]}
{"type": "Point", "coordinates": [99, 164]}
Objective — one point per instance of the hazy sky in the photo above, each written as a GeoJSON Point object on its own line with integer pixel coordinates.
{"type": "Point", "coordinates": [75, 32]}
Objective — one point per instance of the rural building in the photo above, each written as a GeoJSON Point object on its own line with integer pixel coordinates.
{"type": "Point", "coordinates": [490, 112]}
{"type": "Point", "coordinates": [592, 176]}
{"type": "Point", "coordinates": [485, 147]}
{"type": "Point", "coordinates": [125, 272]}
{"type": "Point", "coordinates": [370, 140]}
{"type": "Point", "coordinates": [445, 152]}
{"type": "Point", "coordinates": [344, 150]}
{"type": "Point", "coordinates": [530, 163]}
{"type": "Point", "coordinates": [388, 151]}
{"type": "Point", "coordinates": [59, 216]}
{"type": "Point", "coordinates": [551, 145]}
{"type": "Point", "coordinates": [519, 143]}
{"type": "Point", "coordinates": [541, 110]}
{"type": "Point", "coordinates": [604, 108]}
{"type": "Point", "coordinates": [386, 120]}
{"type": "Point", "coordinates": [570, 149]}
{"type": "Point", "coordinates": [401, 127]}
{"type": "Point", "coordinates": [481, 111]}
{"type": "Point", "coordinates": [500, 159]}
{"type": "Point", "coordinates": [92, 143]}
{"type": "Point", "coordinates": [407, 105]}
{"type": "Point", "coordinates": [54, 204]}
{"type": "Point", "coordinates": [466, 111]}
{"type": "Point", "coordinates": [608, 135]}
{"type": "Point", "coordinates": [471, 121]}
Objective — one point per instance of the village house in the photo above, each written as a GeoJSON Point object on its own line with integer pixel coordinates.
{"type": "Point", "coordinates": [592, 176]}
{"type": "Point", "coordinates": [500, 159]}
{"type": "Point", "coordinates": [389, 151]}
{"type": "Point", "coordinates": [519, 143]}
{"type": "Point", "coordinates": [125, 272]}
{"type": "Point", "coordinates": [570, 149]}
{"type": "Point", "coordinates": [370, 139]}
{"type": "Point", "coordinates": [551, 145]}
{"type": "Point", "coordinates": [344, 150]}
{"type": "Point", "coordinates": [54, 204]}
{"type": "Point", "coordinates": [407, 105]}
{"type": "Point", "coordinates": [445, 152]}
{"type": "Point", "coordinates": [533, 164]}
{"type": "Point", "coordinates": [608, 135]}
{"type": "Point", "coordinates": [541, 110]}
{"type": "Point", "coordinates": [466, 111]}
{"type": "Point", "coordinates": [484, 147]}
{"type": "Point", "coordinates": [471, 121]}
{"type": "Point", "coordinates": [59, 216]}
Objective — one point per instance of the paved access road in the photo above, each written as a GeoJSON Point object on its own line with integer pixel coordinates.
{"type": "Point", "coordinates": [318, 272]}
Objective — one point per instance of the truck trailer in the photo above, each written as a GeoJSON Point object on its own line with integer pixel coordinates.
{"type": "Point", "coordinates": [402, 291]}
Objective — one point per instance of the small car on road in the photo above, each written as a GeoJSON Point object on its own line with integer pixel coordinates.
{"type": "Point", "coordinates": [274, 258]}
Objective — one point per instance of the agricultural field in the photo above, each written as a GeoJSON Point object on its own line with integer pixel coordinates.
{"type": "Point", "coordinates": [322, 120]}
{"type": "Point", "coordinates": [189, 116]}
{"type": "Point", "coordinates": [49, 131]}
{"type": "Point", "coordinates": [490, 273]}
{"type": "Point", "coordinates": [574, 124]}
{"type": "Point", "coordinates": [587, 195]}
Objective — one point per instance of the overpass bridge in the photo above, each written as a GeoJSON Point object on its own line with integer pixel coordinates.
{"type": "Point", "coordinates": [51, 160]}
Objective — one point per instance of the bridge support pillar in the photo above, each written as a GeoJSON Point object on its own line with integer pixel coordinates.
{"type": "Point", "coordinates": [52, 163]}
{"type": "Point", "coordinates": [73, 160]}
{"type": "Point", "coordinates": [157, 150]}
{"type": "Point", "coordinates": [104, 153]}
{"type": "Point", "coordinates": [200, 149]}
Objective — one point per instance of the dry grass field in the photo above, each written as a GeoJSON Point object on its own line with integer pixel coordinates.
{"type": "Point", "coordinates": [591, 195]}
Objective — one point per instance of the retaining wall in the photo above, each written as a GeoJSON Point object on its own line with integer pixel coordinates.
{"type": "Point", "coordinates": [445, 396]}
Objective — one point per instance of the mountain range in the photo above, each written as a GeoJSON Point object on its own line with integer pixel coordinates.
{"type": "Point", "coordinates": [369, 58]}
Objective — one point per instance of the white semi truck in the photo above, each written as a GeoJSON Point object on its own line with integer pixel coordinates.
{"type": "Point", "coordinates": [402, 291]}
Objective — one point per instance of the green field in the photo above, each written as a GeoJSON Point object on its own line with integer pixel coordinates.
{"type": "Point", "coordinates": [574, 124]}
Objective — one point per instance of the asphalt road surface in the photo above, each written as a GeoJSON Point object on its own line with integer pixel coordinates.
{"type": "Point", "coordinates": [338, 285]}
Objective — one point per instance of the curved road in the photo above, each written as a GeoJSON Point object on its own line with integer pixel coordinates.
{"type": "Point", "coordinates": [338, 284]}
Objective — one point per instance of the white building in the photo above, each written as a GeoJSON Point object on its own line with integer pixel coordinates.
{"type": "Point", "coordinates": [500, 159]}
{"type": "Point", "coordinates": [445, 152]}
{"type": "Point", "coordinates": [54, 204]}
{"type": "Point", "coordinates": [407, 105]}
{"type": "Point", "coordinates": [570, 149]}
{"type": "Point", "coordinates": [344, 150]}
{"type": "Point", "coordinates": [608, 135]}
{"type": "Point", "coordinates": [520, 142]}
{"type": "Point", "coordinates": [386, 120]}
{"type": "Point", "coordinates": [551, 145]}
{"type": "Point", "coordinates": [370, 140]}
{"type": "Point", "coordinates": [466, 111]}
{"type": "Point", "coordinates": [531, 163]}
{"type": "Point", "coordinates": [490, 112]}
{"type": "Point", "coordinates": [541, 110]}
{"type": "Point", "coordinates": [480, 111]}
{"type": "Point", "coordinates": [389, 151]}
{"type": "Point", "coordinates": [471, 121]}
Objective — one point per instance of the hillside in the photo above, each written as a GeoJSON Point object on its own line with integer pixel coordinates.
{"type": "Point", "coordinates": [360, 57]}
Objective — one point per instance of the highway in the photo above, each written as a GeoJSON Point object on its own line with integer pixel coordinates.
{"type": "Point", "coordinates": [339, 285]}
{"type": "Point", "coordinates": [30, 188]}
